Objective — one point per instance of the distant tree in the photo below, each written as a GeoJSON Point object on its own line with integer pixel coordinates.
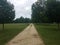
{"type": "Point", "coordinates": [22, 20]}
{"type": "Point", "coordinates": [7, 12]}
{"type": "Point", "coordinates": [19, 20]}
{"type": "Point", "coordinates": [27, 20]}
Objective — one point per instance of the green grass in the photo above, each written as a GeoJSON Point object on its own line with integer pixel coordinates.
{"type": "Point", "coordinates": [10, 31]}
{"type": "Point", "coordinates": [49, 33]}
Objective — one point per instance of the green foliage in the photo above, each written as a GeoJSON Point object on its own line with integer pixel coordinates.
{"type": "Point", "coordinates": [22, 20]}
{"type": "Point", "coordinates": [50, 13]}
{"type": "Point", "coordinates": [7, 13]}
{"type": "Point", "coordinates": [50, 1]}
{"type": "Point", "coordinates": [38, 13]}
{"type": "Point", "coordinates": [53, 11]}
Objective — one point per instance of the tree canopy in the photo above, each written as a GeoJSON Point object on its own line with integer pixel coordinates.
{"type": "Point", "coordinates": [7, 12]}
{"type": "Point", "coordinates": [53, 11]}
{"type": "Point", "coordinates": [38, 13]}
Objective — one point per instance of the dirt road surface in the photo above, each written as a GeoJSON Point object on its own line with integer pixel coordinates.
{"type": "Point", "coordinates": [27, 37]}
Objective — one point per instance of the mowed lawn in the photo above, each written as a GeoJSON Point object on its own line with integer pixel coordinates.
{"type": "Point", "coordinates": [10, 31]}
{"type": "Point", "coordinates": [49, 33]}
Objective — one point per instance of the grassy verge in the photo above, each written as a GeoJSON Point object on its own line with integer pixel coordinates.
{"type": "Point", "coordinates": [49, 33]}
{"type": "Point", "coordinates": [10, 31]}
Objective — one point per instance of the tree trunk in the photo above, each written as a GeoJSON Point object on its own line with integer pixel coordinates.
{"type": "Point", "coordinates": [58, 26]}
{"type": "Point", "coordinates": [3, 26]}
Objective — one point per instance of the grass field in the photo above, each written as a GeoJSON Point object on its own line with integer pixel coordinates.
{"type": "Point", "coordinates": [10, 31]}
{"type": "Point", "coordinates": [49, 33]}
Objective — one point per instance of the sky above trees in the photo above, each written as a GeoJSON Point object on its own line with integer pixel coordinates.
{"type": "Point", "coordinates": [22, 7]}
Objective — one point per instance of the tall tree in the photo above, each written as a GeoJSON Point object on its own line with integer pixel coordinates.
{"type": "Point", "coordinates": [37, 12]}
{"type": "Point", "coordinates": [53, 11]}
{"type": "Point", "coordinates": [7, 12]}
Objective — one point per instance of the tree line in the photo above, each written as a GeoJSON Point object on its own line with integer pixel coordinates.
{"type": "Point", "coordinates": [47, 13]}
{"type": "Point", "coordinates": [22, 20]}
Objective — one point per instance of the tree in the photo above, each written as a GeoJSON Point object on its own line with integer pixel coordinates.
{"type": "Point", "coordinates": [21, 19]}
{"type": "Point", "coordinates": [53, 11]}
{"type": "Point", "coordinates": [7, 12]}
{"type": "Point", "coordinates": [35, 13]}
{"type": "Point", "coordinates": [27, 20]}
{"type": "Point", "coordinates": [38, 13]}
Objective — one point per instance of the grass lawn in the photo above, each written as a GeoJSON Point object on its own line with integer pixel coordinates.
{"type": "Point", "coordinates": [49, 33]}
{"type": "Point", "coordinates": [10, 31]}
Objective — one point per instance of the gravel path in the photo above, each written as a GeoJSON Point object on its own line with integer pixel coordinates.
{"type": "Point", "coordinates": [27, 37]}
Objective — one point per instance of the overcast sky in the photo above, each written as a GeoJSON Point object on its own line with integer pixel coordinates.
{"type": "Point", "coordinates": [22, 7]}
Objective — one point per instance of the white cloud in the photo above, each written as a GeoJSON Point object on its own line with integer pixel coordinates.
{"type": "Point", "coordinates": [27, 8]}
{"type": "Point", "coordinates": [22, 7]}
